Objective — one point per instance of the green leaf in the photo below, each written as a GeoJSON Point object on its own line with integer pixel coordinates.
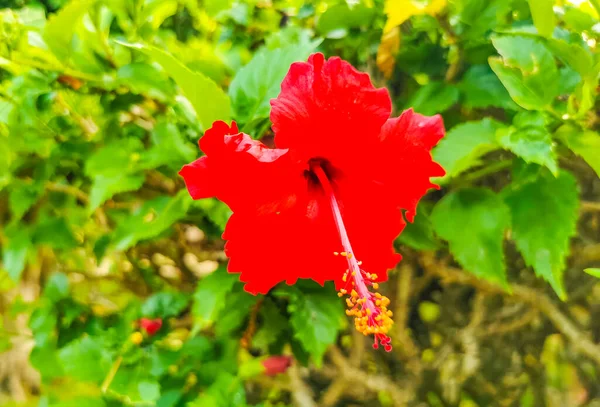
{"type": "Point", "coordinates": [419, 234]}
{"type": "Point", "coordinates": [59, 29]}
{"type": "Point", "coordinates": [433, 98]}
{"type": "Point", "coordinates": [14, 254]}
{"type": "Point", "coordinates": [593, 272]}
{"type": "Point", "coordinates": [274, 324]}
{"type": "Point", "coordinates": [149, 391]}
{"type": "Point", "coordinates": [146, 79]}
{"type": "Point", "coordinates": [464, 145]}
{"type": "Point", "coordinates": [115, 159]}
{"type": "Point", "coordinates": [215, 210]}
{"type": "Point", "coordinates": [530, 140]}
{"type": "Point", "coordinates": [57, 287]}
{"type": "Point", "coordinates": [6, 108]}
{"type": "Point", "coordinates": [209, 298]}
{"type": "Point", "coordinates": [209, 100]}
{"type": "Point", "coordinates": [584, 143]}
{"type": "Point", "coordinates": [473, 222]}
{"type": "Point", "coordinates": [169, 147]}
{"type": "Point", "coordinates": [337, 20]}
{"type": "Point", "coordinates": [543, 16]}
{"type": "Point", "coordinates": [86, 359]}
{"type": "Point", "coordinates": [527, 69]}
{"type": "Point", "coordinates": [169, 398]}
{"type": "Point", "coordinates": [259, 81]}
{"type": "Point", "coordinates": [579, 20]}
{"type": "Point", "coordinates": [316, 318]}
{"type": "Point", "coordinates": [55, 233]}
{"type": "Point", "coordinates": [574, 55]}
{"type": "Point", "coordinates": [128, 379]}
{"type": "Point", "coordinates": [238, 305]}
{"type": "Point", "coordinates": [481, 88]}
{"type": "Point", "coordinates": [105, 187]}
{"type": "Point", "coordinates": [153, 218]}
{"type": "Point", "coordinates": [164, 305]}
{"type": "Point", "coordinates": [22, 197]}
{"type": "Point", "coordinates": [80, 402]}
{"type": "Point", "coordinates": [544, 218]}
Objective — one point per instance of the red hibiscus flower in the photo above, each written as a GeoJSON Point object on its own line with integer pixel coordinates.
{"type": "Point", "coordinates": [150, 326]}
{"type": "Point", "coordinates": [330, 193]}
{"type": "Point", "coordinates": [275, 365]}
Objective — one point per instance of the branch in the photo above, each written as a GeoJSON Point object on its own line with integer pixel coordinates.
{"type": "Point", "coordinates": [373, 382]}
{"type": "Point", "coordinates": [587, 206]}
{"type": "Point", "coordinates": [524, 294]}
{"type": "Point", "coordinates": [301, 393]}
{"type": "Point", "coordinates": [401, 313]}
{"type": "Point", "coordinates": [69, 190]}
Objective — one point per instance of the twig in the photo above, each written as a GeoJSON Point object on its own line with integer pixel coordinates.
{"type": "Point", "coordinates": [587, 206]}
{"type": "Point", "coordinates": [487, 170]}
{"type": "Point", "coordinates": [111, 374]}
{"type": "Point", "coordinates": [401, 312]}
{"type": "Point", "coordinates": [334, 392]}
{"type": "Point", "coordinates": [527, 295]}
{"type": "Point", "coordinates": [69, 190]}
{"type": "Point", "coordinates": [511, 326]}
{"type": "Point", "coordinates": [301, 393]}
{"type": "Point", "coordinates": [246, 340]}
{"type": "Point", "coordinates": [454, 42]}
{"type": "Point", "coordinates": [373, 382]}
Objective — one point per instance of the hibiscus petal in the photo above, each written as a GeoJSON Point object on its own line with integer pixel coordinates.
{"type": "Point", "coordinates": [241, 172]}
{"type": "Point", "coordinates": [276, 247]}
{"type": "Point", "coordinates": [328, 109]}
{"type": "Point", "coordinates": [373, 223]}
{"type": "Point", "coordinates": [403, 161]}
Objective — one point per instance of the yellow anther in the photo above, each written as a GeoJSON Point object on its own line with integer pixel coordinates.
{"type": "Point", "coordinates": [374, 276]}
{"type": "Point", "coordinates": [360, 263]}
{"type": "Point", "coordinates": [344, 254]}
{"type": "Point", "coordinates": [340, 295]}
{"type": "Point", "coordinates": [349, 255]}
{"type": "Point", "coordinates": [375, 286]}
{"type": "Point", "coordinates": [344, 278]}
{"type": "Point", "coordinates": [353, 273]}
{"type": "Point", "coordinates": [336, 254]}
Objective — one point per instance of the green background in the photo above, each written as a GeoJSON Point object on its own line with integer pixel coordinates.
{"type": "Point", "coordinates": [102, 102]}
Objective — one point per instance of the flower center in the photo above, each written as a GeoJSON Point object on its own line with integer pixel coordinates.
{"type": "Point", "coordinates": [371, 315]}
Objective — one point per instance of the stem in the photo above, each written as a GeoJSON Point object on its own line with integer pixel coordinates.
{"type": "Point", "coordinates": [485, 171]}
{"type": "Point", "coordinates": [69, 190]}
{"type": "Point", "coordinates": [111, 374]}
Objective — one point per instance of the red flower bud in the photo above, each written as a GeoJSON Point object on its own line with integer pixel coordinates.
{"type": "Point", "coordinates": [151, 326]}
{"type": "Point", "coordinates": [275, 365]}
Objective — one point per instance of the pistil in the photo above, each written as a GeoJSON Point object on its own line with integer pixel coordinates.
{"type": "Point", "coordinates": [369, 309]}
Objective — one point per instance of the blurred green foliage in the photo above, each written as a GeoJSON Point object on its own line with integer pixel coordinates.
{"type": "Point", "coordinates": [103, 101]}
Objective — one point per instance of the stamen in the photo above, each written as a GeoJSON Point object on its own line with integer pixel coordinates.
{"type": "Point", "coordinates": [370, 312]}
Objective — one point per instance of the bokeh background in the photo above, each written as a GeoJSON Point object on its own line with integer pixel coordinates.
{"type": "Point", "coordinates": [113, 289]}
